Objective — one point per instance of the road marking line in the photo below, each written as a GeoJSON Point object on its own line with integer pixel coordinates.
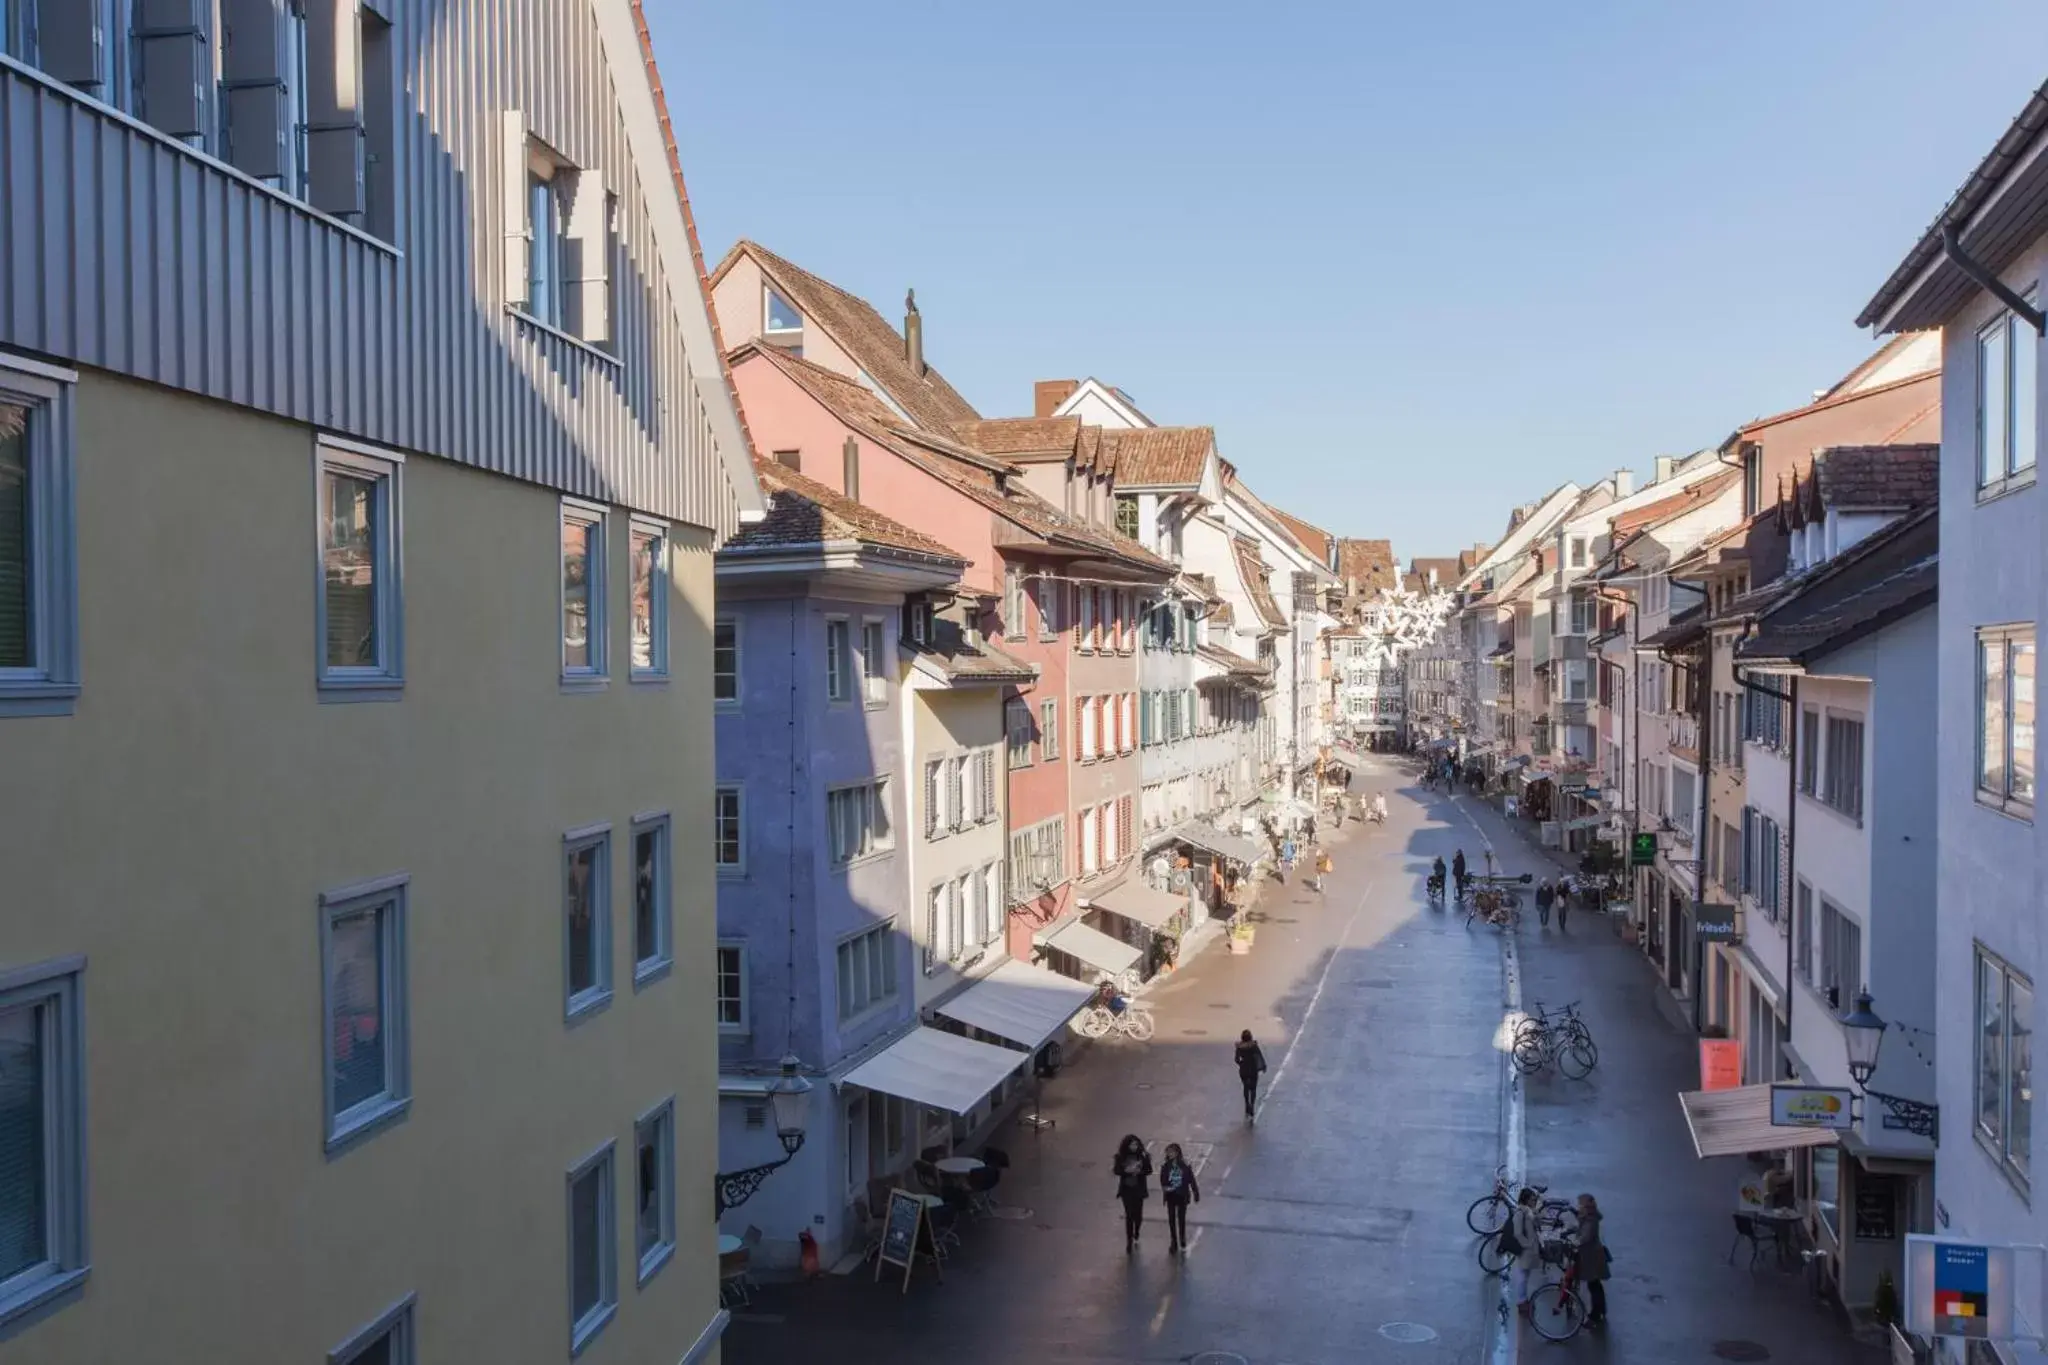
{"type": "Point", "coordinates": [1507, 1334]}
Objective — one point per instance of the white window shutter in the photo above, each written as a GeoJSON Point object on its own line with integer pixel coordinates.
{"type": "Point", "coordinates": [252, 81]}
{"type": "Point", "coordinates": [173, 49]}
{"type": "Point", "coordinates": [334, 107]}
{"type": "Point", "coordinates": [589, 263]}
{"type": "Point", "coordinates": [519, 229]}
{"type": "Point", "coordinates": [932, 797]}
{"type": "Point", "coordinates": [71, 44]}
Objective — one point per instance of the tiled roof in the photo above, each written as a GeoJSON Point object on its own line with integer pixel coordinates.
{"type": "Point", "coordinates": [804, 512]}
{"type": "Point", "coordinates": [1158, 457]}
{"type": "Point", "coordinates": [1877, 478]}
{"type": "Point", "coordinates": [1013, 436]}
{"type": "Point", "coordinates": [857, 405]}
{"type": "Point", "coordinates": [1677, 505]}
{"type": "Point", "coordinates": [1233, 662]}
{"type": "Point", "coordinates": [866, 337]}
{"type": "Point", "coordinates": [1253, 570]}
{"type": "Point", "coordinates": [1873, 583]}
{"type": "Point", "coordinates": [1311, 538]}
{"type": "Point", "coordinates": [950, 649]}
{"type": "Point", "coordinates": [1836, 398]}
{"type": "Point", "coordinates": [1370, 562]}
{"type": "Point", "coordinates": [1683, 629]}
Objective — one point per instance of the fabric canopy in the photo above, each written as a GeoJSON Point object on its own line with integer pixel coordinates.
{"type": "Point", "coordinates": [1153, 909]}
{"type": "Point", "coordinates": [1020, 1002]}
{"type": "Point", "coordinates": [1347, 755]}
{"type": "Point", "coordinates": [1731, 1122]}
{"type": "Point", "coordinates": [1093, 947]}
{"type": "Point", "coordinates": [1585, 822]}
{"type": "Point", "coordinates": [937, 1069]}
{"type": "Point", "coordinates": [1216, 841]}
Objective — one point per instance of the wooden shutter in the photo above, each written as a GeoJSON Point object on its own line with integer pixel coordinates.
{"type": "Point", "coordinates": [518, 225]}
{"type": "Point", "coordinates": [931, 797]}
{"type": "Point", "coordinates": [172, 47]}
{"type": "Point", "coordinates": [71, 43]}
{"type": "Point", "coordinates": [334, 108]}
{"type": "Point", "coordinates": [253, 85]}
{"type": "Point", "coordinates": [985, 764]}
{"type": "Point", "coordinates": [589, 270]}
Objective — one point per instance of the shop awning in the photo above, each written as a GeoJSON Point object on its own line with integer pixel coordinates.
{"type": "Point", "coordinates": [937, 1069]}
{"type": "Point", "coordinates": [1153, 909]}
{"type": "Point", "coordinates": [1216, 841]}
{"type": "Point", "coordinates": [1731, 1122]}
{"type": "Point", "coordinates": [1093, 947]}
{"type": "Point", "coordinates": [1348, 756]}
{"type": "Point", "coordinates": [1020, 1002]}
{"type": "Point", "coordinates": [1585, 822]}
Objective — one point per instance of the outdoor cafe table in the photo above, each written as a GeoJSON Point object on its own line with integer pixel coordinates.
{"type": "Point", "coordinates": [1783, 1223]}
{"type": "Point", "coordinates": [958, 1165]}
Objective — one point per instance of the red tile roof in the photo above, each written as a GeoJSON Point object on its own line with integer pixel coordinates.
{"type": "Point", "coordinates": [1022, 436]}
{"type": "Point", "coordinates": [802, 511]}
{"type": "Point", "coordinates": [866, 337]}
{"type": "Point", "coordinates": [1253, 571]}
{"type": "Point", "coordinates": [1678, 504]}
{"type": "Point", "coordinates": [1311, 537]}
{"type": "Point", "coordinates": [1878, 478]}
{"type": "Point", "coordinates": [1370, 562]}
{"type": "Point", "coordinates": [1157, 457]}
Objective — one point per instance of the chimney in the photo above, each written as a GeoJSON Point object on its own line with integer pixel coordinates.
{"type": "Point", "coordinates": [849, 456]}
{"type": "Point", "coordinates": [1048, 394]}
{"type": "Point", "coordinates": [913, 334]}
{"type": "Point", "coordinates": [1664, 463]}
{"type": "Point", "coordinates": [1624, 482]}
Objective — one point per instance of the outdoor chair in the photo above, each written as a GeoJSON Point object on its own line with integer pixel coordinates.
{"type": "Point", "coordinates": [734, 1286]}
{"type": "Point", "coordinates": [1746, 1231]}
{"type": "Point", "coordinates": [870, 1224]}
{"type": "Point", "coordinates": [981, 1186]}
{"type": "Point", "coordinates": [927, 1176]}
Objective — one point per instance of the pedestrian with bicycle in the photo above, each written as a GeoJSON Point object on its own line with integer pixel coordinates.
{"type": "Point", "coordinates": [1592, 1260]}
{"type": "Point", "coordinates": [1527, 1236]}
{"type": "Point", "coordinates": [1133, 1168]}
{"type": "Point", "coordinates": [1250, 1062]}
{"type": "Point", "coordinates": [1176, 1187]}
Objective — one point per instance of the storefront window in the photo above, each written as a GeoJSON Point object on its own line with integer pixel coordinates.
{"type": "Point", "coordinates": [1827, 1188]}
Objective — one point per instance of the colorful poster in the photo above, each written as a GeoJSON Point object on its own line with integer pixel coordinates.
{"type": "Point", "coordinates": [1962, 1290]}
{"type": "Point", "coordinates": [1720, 1064]}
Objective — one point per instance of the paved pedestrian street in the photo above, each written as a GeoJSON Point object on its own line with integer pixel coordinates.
{"type": "Point", "coordinates": [1332, 1231]}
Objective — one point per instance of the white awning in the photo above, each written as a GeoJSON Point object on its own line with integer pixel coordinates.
{"type": "Point", "coordinates": [1153, 909]}
{"type": "Point", "coordinates": [1020, 1002]}
{"type": "Point", "coordinates": [1731, 1122]}
{"type": "Point", "coordinates": [937, 1069]}
{"type": "Point", "coordinates": [1216, 841]}
{"type": "Point", "coordinates": [1348, 756]}
{"type": "Point", "coordinates": [1093, 947]}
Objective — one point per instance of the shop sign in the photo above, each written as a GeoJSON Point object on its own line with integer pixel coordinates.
{"type": "Point", "coordinates": [1810, 1106]}
{"type": "Point", "coordinates": [1720, 1063]}
{"type": "Point", "coordinates": [1961, 1289]}
{"type": "Point", "coordinates": [1642, 849]}
{"type": "Point", "coordinates": [1713, 923]}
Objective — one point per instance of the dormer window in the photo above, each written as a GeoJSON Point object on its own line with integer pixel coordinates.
{"type": "Point", "coordinates": [1127, 516]}
{"type": "Point", "coordinates": [779, 318]}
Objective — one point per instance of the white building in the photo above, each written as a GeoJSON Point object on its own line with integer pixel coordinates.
{"type": "Point", "coordinates": [1989, 947]}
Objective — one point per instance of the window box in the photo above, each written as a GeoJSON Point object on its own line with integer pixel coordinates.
{"type": "Point", "coordinates": [368, 1081]}
{"type": "Point", "coordinates": [38, 541]}
{"type": "Point", "coordinates": [360, 604]}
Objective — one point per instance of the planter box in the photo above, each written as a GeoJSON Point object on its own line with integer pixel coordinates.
{"type": "Point", "coordinates": [1240, 946]}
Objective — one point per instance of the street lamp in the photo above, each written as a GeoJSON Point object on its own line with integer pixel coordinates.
{"type": "Point", "coordinates": [1862, 1036]}
{"type": "Point", "coordinates": [789, 1102]}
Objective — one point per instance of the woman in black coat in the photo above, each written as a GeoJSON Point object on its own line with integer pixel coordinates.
{"type": "Point", "coordinates": [1592, 1260]}
{"type": "Point", "coordinates": [1133, 1169]}
{"type": "Point", "coordinates": [1177, 1186]}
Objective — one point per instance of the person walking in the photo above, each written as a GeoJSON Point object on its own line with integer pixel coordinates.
{"type": "Point", "coordinates": [1544, 896]}
{"type": "Point", "coordinates": [1592, 1260]}
{"type": "Point", "coordinates": [1528, 1250]}
{"type": "Point", "coordinates": [1176, 1187]}
{"type": "Point", "coordinates": [1564, 901]}
{"type": "Point", "coordinates": [1250, 1062]}
{"type": "Point", "coordinates": [1133, 1167]}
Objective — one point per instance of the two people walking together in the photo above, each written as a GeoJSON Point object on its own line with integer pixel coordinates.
{"type": "Point", "coordinates": [1177, 1189]}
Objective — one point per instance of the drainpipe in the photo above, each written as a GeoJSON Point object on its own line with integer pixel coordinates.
{"type": "Point", "coordinates": [1702, 829]}
{"type": "Point", "coordinates": [1791, 834]}
{"type": "Point", "coordinates": [1981, 276]}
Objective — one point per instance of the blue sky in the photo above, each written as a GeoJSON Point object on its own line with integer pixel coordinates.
{"type": "Point", "coordinates": [1414, 262]}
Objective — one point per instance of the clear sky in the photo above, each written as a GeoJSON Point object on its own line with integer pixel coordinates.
{"type": "Point", "coordinates": [1415, 262]}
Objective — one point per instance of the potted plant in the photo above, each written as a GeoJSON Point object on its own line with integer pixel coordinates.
{"type": "Point", "coordinates": [1241, 932]}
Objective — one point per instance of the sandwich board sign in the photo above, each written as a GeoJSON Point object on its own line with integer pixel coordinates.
{"type": "Point", "coordinates": [1963, 1289]}
{"type": "Point", "coordinates": [904, 1234]}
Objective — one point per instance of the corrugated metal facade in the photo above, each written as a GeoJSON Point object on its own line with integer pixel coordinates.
{"type": "Point", "coordinates": [125, 250]}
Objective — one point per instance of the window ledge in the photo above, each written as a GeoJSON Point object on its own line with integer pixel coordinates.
{"type": "Point", "coordinates": [38, 698]}
{"type": "Point", "coordinates": [2005, 487]}
{"type": "Point", "coordinates": [653, 1261]}
{"type": "Point", "coordinates": [2010, 807]}
{"type": "Point", "coordinates": [735, 1030]}
{"type": "Point", "coordinates": [730, 874]}
{"type": "Point", "coordinates": [46, 1295]}
{"type": "Point", "coordinates": [595, 1321]}
{"type": "Point", "coordinates": [864, 859]}
{"type": "Point", "coordinates": [586, 682]}
{"type": "Point", "coordinates": [593, 1001]}
{"type": "Point", "coordinates": [647, 973]}
{"type": "Point", "coordinates": [647, 677]}
{"type": "Point", "coordinates": [342, 687]}
{"type": "Point", "coordinates": [570, 338]}
{"type": "Point", "coordinates": [362, 1124]}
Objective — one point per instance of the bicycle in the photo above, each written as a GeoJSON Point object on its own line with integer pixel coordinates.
{"type": "Point", "coordinates": [1555, 1309]}
{"type": "Point", "coordinates": [1573, 1053]}
{"type": "Point", "coordinates": [1099, 1021]}
{"type": "Point", "coordinates": [1489, 1212]}
{"type": "Point", "coordinates": [1556, 1220]}
{"type": "Point", "coordinates": [1566, 1020]}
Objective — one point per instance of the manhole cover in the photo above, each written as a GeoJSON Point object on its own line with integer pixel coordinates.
{"type": "Point", "coordinates": [1407, 1333]}
{"type": "Point", "coordinates": [1217, 1358]}
{"type": "Point", "coordinates": [1194, 1033]}
{"type": "Point", "coordinates": [1742, 1350]}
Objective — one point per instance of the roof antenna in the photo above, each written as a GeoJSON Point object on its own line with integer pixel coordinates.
{"type": "Point", "coordinates": [913, 333]}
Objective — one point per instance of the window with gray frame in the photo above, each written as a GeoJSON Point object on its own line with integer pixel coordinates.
{"type": "Point", "coordinates": [1802, 930]}
{"type": "Point", "coordinates": [1841, 955]}
{"type": "Point", "coordinates": [838, 661]}
{"type": "Point", "coordinates": [654, 1188]}
{"type": "Point", "coordinates": [875, 668]}
{"type": "Point", "coordinates": [866, 970]}
{"type": "Point", "coordinates": [2005, 718]}
{"type": "Point", "coordinates": [650, 599]}
{"type": "Point", "coordinates": [725, 660]}
{"type": "Point", "coordinates": [2007, 372]}
{"type": "Point", "coordinates": [857, 821]}
{"type": "Point", "coordinates": [1809, 751]}
{"type": "Point", "coordinates": [386, 1341]}
{"type": "Point", "coordinates": [362, 955]}
{"type": "Point", "coordinates": [42, 1136]}
{"type": "Point", "coordinates": [2004, 1081]}
{"type": "Point", "coordinates": [359, 603]}
{"type": "Point", "coordinates": [38, 554]}
{"type": "Point", "coordinates": [586, 920]}
{"type": "Point", "coordinates": [653, 899]}
{"type": "Point", "coordinates": [728, 831]}
{"type": "Point", "coordinates": [583, 594]}
{"type": "Point", "coordinates": [1842, 787]}
{"type": "Point", "coordinates": [1017, 731]}
{"type": "Point", "coordinates": [1048, 730]}
{"type": "Point", "coordinates": [593, 1249]}
{"type": "Point", "coordinates": [731, 989]}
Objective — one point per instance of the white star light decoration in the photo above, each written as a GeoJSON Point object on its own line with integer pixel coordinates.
{"type": "Point", "coordinates": [1401, 621]}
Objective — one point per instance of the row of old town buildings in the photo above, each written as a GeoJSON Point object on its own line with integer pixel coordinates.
{"type": "Point", "coordinates": [1785, 692]}
{"type": "Point", "coordinates": [349, 932]}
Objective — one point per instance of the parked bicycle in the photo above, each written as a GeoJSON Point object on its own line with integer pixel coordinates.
{"type": "Point", "coordinates": [1497, 900]}
{"type": "Point", "coordinates": [1098, 1021]}
{"type": "Point", "coordinates": [1489, 1212]}
{"type": "Point", "coordinates": [1562, 1039]}
{"type": "Point", "coordinates": [1556, 1310]}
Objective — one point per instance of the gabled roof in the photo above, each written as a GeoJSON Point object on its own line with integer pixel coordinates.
{"type": "Point", "coordinates": [1309, 536]}
{"type": "Point", "coordinates": [866, 337]}
{"type": "Point", "coordinates": [1876, 478]}
{"type": "Point", "coordinates": [856, 404]}
{"type": "Point", "coordinates": [1253, 571]}
{"type": "Point", "coordinates": [1875, 582]}
{"type": "Point", "coordinates": [1652, 515]}
{"type": "Point", "coordinates": [803, 512]}
{"type": "Point", "coordinates": [1689, 627]}
{"type": "Point", "coordinates": [951, 653]}
{"type": "Point", "coordinates": [1856, 383]}
{"type": "Point", "coordinates": [1023, 438]}
{"type": "Point", "coordinates": [1370, 562]}
{"type": "Point", "coordinates": [1158, 457]}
